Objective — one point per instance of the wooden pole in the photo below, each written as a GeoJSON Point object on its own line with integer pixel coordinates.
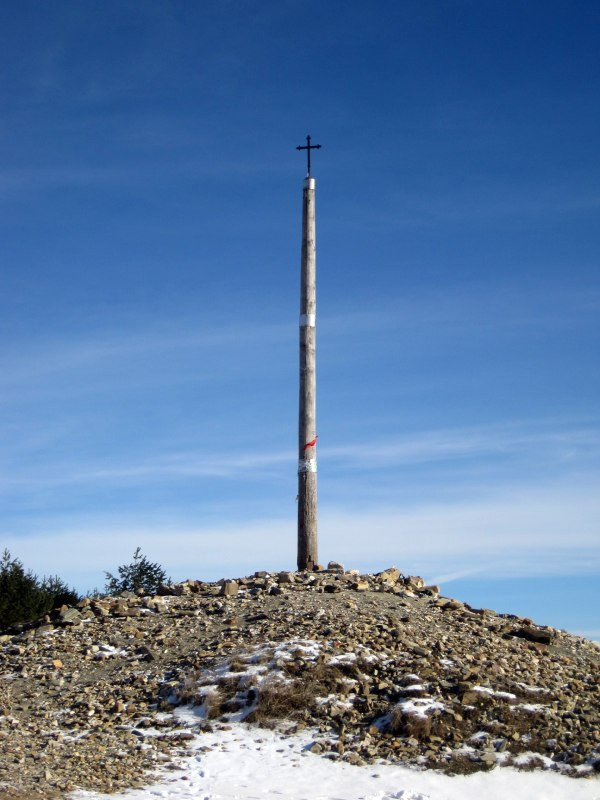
{"type": "Point", "coordinates": [307, 433]}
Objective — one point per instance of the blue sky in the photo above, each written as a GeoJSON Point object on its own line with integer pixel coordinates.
{"type": "Point", "coordinates": [150, 199]}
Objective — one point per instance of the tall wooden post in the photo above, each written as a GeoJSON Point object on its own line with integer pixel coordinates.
{"type": "Point", "coordinates": [307, 433]}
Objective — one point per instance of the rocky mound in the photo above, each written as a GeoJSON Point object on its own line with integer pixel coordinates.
{"type": "Point", "coordinates": [380, 666]}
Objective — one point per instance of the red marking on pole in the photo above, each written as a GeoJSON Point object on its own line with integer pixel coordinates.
{"type": "Point", "coordinates": [311, 444]}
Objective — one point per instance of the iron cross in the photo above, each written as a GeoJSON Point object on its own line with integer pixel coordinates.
{"type": "Point", "coordinates": [308, 147]}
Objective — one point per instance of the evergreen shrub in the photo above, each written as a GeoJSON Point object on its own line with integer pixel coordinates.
{"type": "Point", "coordinates": [139, 574]}
{"type": "Point", "coordinates": [24, 597]}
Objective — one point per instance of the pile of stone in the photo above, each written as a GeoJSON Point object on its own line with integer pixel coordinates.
{"type": "Point", "coordinates": [379, 666]}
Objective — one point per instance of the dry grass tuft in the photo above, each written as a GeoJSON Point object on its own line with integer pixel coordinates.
{"type": "Point", "coordinates": [288, 693]}
{"type": "Point", "coordinates": [277, 699]}
{"type": "Point", "coordinates": [229, 683]}
{"type": "Point", "coordinates": [403, 724]}
{"type": "Point", "coordinates": [294, 698]}
{"type": "Point", "coordinates": [237, 663]}
{"type": "Point", "coordinates": [533, 763]}
{"type": "Point", "coordinates": [462, 764]}
{"type": "Point", "coordinates": [435, 723]}
{"type": "Point", "coordinates": [211, 699]}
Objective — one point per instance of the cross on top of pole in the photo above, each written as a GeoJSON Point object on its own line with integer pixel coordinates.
{"type": "Point", "coordinates": [308, 147]}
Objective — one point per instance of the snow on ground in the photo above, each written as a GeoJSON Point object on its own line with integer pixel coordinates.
{"type": "Point", "coordinates": [237, 761]}
{"type": "Point", "coordinates": [243, 762]}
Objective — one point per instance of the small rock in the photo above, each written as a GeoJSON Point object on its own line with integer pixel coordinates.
{"type": "Point", "coordinates": [69, 616]}
{"type": "Point", "coordinates": [229, 588]}
{"type": "Point", "coordinates": [390, 575]}
{"type": "Point", "coordinates": [433, 589]}
{"type": "Point", "coordinates": [534, 635]}
{"type": "Point", "coordinates": [286, 577]}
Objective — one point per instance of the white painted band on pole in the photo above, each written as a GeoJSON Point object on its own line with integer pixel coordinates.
{"type": "Point", "coordinates": [308, 320]}
{"type": "Point", "coordinates": [307, 465]}
{"type": "Point", "coordinates": [309, 183]}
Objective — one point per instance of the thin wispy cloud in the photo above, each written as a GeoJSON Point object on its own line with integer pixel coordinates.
{"type": "Point", "coordinates": [474, 204]}
{"type": "Point", "coordinates": [22, 183]}
{"type": "Point", "coordinates": [436, 315]}
{"type": "Point", "coordinates": [517, 533]}
{"type": "Point", "coordinates": [461, 443]}
{"type": "Point", "coordinates": [514, 531]}
{"type": "Point", "coordinates": [34, 361]}
{"type": "Point", "coordinates": [197, 465]}
{"type": "Point", "coordinates": [565, 444]}
{"type": "Point", "coordinates": [14, 182]}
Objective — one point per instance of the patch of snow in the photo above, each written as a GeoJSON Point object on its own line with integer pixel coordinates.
{"type": "Point", "coordinates": [368, 657]}
{"type": "Point", "coordinates": [419, 707]}
{"type": "Point", "coordinates": [494, 693]}
{"type": "Point", "coordinates": [305, 647]}
{"type": "Point", "coordinates": [108, 651]}
{"type": "Point", "coordinates": [246, 763]}
{"type": "Point", "coordinates": [322, 701]}
{"type": "Point", "coordinates": [479, 736]}
{"type": "Point", "coordinates": [525, 758]}
{"type": "Point", "coordinates": [334, 700]}
{"type": "Point", "coordinates": [345, 658]}
{"type": "Point", "coordinates": [530, 689]}
{"type": "Point", "coordinates": [465, 748]}
{"type": "Point", "coordinates": [530, 707]}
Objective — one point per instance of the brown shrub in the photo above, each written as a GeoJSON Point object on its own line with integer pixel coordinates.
{"type": "Point", "coordinates": [275, 697]}
{"type": "Point", "coordinates": [535, 762]}
{"type": "Point", "coordinates": [435, 723]}
{"type": "Point", "coordinates": [462, 764]}
{"type": "Point", "coordinates": [278, 699]}
{"type": "Point", "coordinates": [229, 683]}
{"type": "Point", "coordinates": [237, 663]}
{"type": "Point", "coordinates": [409, 724]}
{"type": "Point", "coordinates": [192, 694]}
{"type": "Point", "coordinates": [325, 678]}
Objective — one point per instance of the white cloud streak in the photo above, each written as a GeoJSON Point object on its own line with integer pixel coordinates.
{"type": "Point", "coordinates": [468, 307]}
{"type": "Point", "coordinates": [460, 443]}
{"type": "Point", "coordinates": [565, 444]}
{"type": "Point", "coordinates": [34, 362]}
{"type": "Point", "coordinates": [517, 533]}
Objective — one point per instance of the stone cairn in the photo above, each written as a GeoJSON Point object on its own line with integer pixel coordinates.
{"type": "Point", "coordinates": [371, 667]}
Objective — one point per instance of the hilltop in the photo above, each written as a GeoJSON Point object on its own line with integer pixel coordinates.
{"type": "Point", "coordinates": [374, 667]}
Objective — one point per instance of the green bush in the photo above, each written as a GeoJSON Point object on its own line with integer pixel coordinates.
{"type": "Point", "coordinates": [24, 597]}
{"type": "Point", "coordinates": [139, 574]}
